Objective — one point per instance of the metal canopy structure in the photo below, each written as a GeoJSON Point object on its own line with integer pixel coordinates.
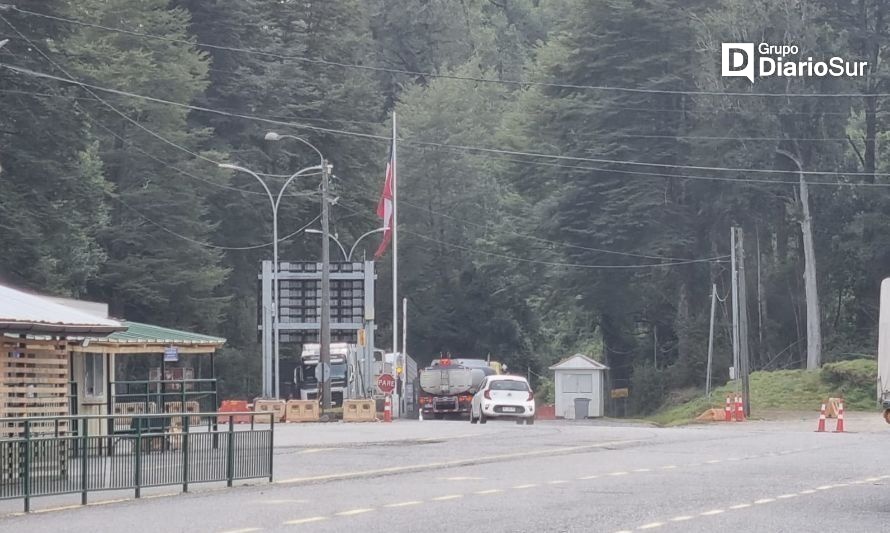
{"type": "Point", "coordinates": [141, 338]}
{"type": "Point", "coordinates": [25, 313]}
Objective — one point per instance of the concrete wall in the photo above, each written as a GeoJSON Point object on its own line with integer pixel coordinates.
{"type": "Point", "coordinates": [565, 401]}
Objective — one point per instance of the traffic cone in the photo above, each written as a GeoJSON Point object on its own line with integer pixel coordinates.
{"type": "Point", "coordinates": [740, 409]}
{"type": "Point", "coordinates": [821, 427]}
{"type": "Point", "coordinates": [387, 409]}
{"type": "Point", "coordinates": [727, 411]}
{"type": "Point", "coordinates": [839, 428]}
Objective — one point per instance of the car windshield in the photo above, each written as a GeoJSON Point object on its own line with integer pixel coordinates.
{"type": "Point", "coordinates": [509, 384]}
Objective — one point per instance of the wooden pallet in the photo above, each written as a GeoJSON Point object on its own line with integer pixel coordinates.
{"type": "Point", "coordinates": [34, 378]}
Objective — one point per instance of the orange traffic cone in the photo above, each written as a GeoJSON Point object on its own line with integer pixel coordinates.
{"type": "Point", "coordinates": [387, 409]}
{"type": "Point", "coordinates": [740, 409]}
{"type": "Point", "coordinates": [839, 428]}
{"type": "Point", "coordinates": [727, 411]}
{"type": "Point", "coordinates": [821, 427]}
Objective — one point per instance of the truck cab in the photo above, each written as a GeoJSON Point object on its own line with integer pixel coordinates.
{"type": "Point", "coordinates": [307, 374]}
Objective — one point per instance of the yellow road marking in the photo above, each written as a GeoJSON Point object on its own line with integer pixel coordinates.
{"type": "Point", "coordinates": [404, 504]}
{"type": "Point", "coordinates": [458, 462]}
{"type": "Point", "coordinates": [299, 521]}
{"type": "Point", "coordinates": [618, 473]}
{"type": "Point", "coordinates": [355, 511]}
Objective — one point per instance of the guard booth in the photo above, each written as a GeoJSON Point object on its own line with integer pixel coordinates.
{"type": "Point", "coordinates": [143, 370]}
{"type": "Point", "coordinates": [579, 387]}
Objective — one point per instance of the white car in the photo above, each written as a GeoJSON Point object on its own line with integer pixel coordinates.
{"type": "Point", "coordinates": [503, 397]}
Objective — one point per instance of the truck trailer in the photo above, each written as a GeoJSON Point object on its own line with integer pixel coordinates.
{"type": "Point", "coordinates": [447, 386]}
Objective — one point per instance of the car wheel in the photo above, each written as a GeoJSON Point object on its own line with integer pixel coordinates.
{"type": "Point", "coordinates": [472, 418]}
{"type": "Point", "coordinates": [530, 420]}
{"type": "Point", "coordinates": [482, 418]}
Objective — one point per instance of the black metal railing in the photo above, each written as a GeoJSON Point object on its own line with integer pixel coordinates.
{"type": "Point", "coordinates": [45, 456]}
{"type": "Point", "coordinates": [160, 396]}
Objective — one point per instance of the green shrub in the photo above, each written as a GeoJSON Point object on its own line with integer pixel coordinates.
{"type": "Point", "coordinates": [851, 375]}
{"type": "Point", "coordinates": [545, 393]}
{"type": "Point", "coordinates": [647, 389]}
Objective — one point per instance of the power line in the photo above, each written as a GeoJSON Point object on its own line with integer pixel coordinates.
{"type": "Point", "coordinates": [477, 79]}
{"type": "Point", "coordinates": [205, 244]}
{"type": "Point", "coordinates": [557, 264]}
{"type": "Point", "coordinates": [450, 146]}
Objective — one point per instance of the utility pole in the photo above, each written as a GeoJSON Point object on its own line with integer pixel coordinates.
{"type": "Point", "coordinates": [744, 354]}
{"type": "Point", "coordinates": [735, 306]}
{"type": "Point", "coordinates": [325, 322]}
{"type": "Point", "coordinates": [711, 339]}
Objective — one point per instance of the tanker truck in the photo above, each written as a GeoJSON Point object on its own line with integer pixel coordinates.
{"type": "Point", "coordinates": [447, 386]}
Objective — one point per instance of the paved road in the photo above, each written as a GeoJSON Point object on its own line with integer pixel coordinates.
{"type": "Point", "coordinates": [439, 476]}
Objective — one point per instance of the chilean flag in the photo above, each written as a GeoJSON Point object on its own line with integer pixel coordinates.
{"type": "Point", "coordinates": [385, 208]}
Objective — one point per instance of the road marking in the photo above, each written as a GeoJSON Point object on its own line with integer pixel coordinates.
{"type": "Point", "coordinates": [712, 513]}
{"type": "Point", "coordinates": [825, 487]}
{"type": "Point", "coordinates": [740, 506]}
{"type": "Point", "coordinates": [557, 482]}
{"type": "Point", "coordinates": [459, 462]}
{"type": "Point", "coordinates": [526, 486]}
{"type": "Point", "coordinates": [618, 473]}
{"type": "Point", "coordinates": [316, 450]}
{"type": "Point", "coordinates": [355, 511]}
{"type": "Point", "coordinates": [765, 500]}
{"type": "Point", "coordinates": [872, 479]}
{"type": "Point", "coordinates": [595, 476]}
{"type": "Point", "coordinates": [808, 491]}
{"type": "Point", "coordinates": [714, 461]}
{"type": "Point", "coordinates": [404, 504]}
{"type": "Point", "coordinates": [643, 470]}
{"type": "Point", "coordinates": [489, 491]}
{"type": "Point", "coordinates": [278, 502]}
{"type": "Point", "coordinates": [681, 518]}
{"type": "Point", "coordinates": [786, 496]}
{"type": "Point", "coordinates": [448, 497]}
{"type": "Point", "coordinates": [653, 525]}
{"type": "Point", "coordinates": [839, 485]}
{"type": "Point", "coordinates": [243, 530]}
{"type": "Point", "coordinates": [300, 521]}
{"type": "Point", "coordinates": [668, 467]}
{"type": "Point", "coordinates": [734, 459]}
{"type": "Point", "coordinates": [462, 478]}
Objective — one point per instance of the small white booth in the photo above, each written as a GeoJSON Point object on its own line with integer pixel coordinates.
{"type": "Point", "coordinates": [579, 383]}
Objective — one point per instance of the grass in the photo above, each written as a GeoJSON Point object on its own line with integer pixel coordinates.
{"type": "Point", "coordinates": [789, 390]}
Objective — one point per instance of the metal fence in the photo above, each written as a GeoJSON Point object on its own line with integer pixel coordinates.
{"type": "Point", "coordinates": [45, 456]}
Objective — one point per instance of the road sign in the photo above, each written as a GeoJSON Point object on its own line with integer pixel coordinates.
{"type": "Point", "coordinates": [327, 371]}
{"type": "Point", "coordinates": [386, 383]}
{"type": "Point", "coordinates": [619, 393]}
{"type": "Point", "coordinates": [171, 354]}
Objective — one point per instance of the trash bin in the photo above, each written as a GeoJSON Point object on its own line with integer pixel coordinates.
{"type": "Point", "coordinates": [582, 408]}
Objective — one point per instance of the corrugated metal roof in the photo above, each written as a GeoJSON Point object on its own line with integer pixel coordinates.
{"type": "Point", "coordinates": [24, 312]}
{"type": "Point", "coordinates": [148, 334]}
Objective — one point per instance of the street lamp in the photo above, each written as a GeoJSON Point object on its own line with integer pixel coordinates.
{"type": "Point", "coordinates": [347, 256]}
{"type": "Point", "coordinates": [325, 322]}
{"type": "Point", "coordinates": [275, 202]}
{"type": "Point", "coordinates": [3, 42]}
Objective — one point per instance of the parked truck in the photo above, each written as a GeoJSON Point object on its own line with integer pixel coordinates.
{"type": "Point", "coordinates": [447, 386]}
{"type": "Point", "coordinates": [343, 369]}
{"type": "Point", "coordinates": [884, 350]}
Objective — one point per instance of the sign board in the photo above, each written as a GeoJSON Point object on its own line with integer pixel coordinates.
{"type": "Point", "coordinates": [327, 371]}
{"type": "Point", "coordinates": [386, 383]}
{"type": "Point", "coordinates": [171, 354]}
{"type": "Point", "coordinates": [619, 393]}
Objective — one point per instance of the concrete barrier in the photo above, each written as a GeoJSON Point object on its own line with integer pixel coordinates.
{"type": "Point", "coordinates": [278, 407]}
{"type": "Point", "coordinates": [545, 412]}
{"type": "Point", "coordinates": [176, 407]}
{"type": "Point", "coordinates": [359, 411]}
{"type": "Point", "coordinates": [234, 406]}
{"type": "Point", "coordinates": [301, 411]}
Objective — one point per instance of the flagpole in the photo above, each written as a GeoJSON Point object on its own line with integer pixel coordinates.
{"type": "Point", "coordinates": [395, 244]}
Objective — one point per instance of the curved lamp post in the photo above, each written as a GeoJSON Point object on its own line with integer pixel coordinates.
{"type": "Point", "coordinates": [275, 202]}
{"type": "Point", "coordinates": [347, 256]}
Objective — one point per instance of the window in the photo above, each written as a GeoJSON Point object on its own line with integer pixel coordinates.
{"type": "Point", "coordinates": [578, 383]}
{"type": "Point", "coordinates": [509, 384]}
{"type": "Point", "coordinates": [93, 375]}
